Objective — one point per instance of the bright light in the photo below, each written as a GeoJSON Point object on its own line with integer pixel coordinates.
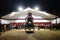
{"type": "Point", "coordinates": [19, 21]}
{"type": "Point", "coordinates": [20, 8]}
{"type": "Point", "coordinates": [33, 21]}
{"type": "Point", "coordinates": [41, 21]}
{"type": "Point", "coordinates": [4, 21]}
{"type": "Point", "coordinates": [36, 8]}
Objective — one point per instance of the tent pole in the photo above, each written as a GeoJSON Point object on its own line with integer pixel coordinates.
{"type": "Point", "coordinates": [14, 21]}
{"type": "Point", "coordinates": [50, 24]}
{"type": "Point", "coordinates": [56, 23]}
{"type": "Point", "coordinates": [0, 20]}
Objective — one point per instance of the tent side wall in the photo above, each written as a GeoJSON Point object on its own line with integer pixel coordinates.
{"type": "Point", "coordinates": [56, 23]}
{"type": "Point", "coordinates": [6, 21]}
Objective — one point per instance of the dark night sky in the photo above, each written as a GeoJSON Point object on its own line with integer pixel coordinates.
{"type": "Point", "coordinates": [50, 6]}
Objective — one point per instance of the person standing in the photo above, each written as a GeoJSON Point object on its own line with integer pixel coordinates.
{"type": "Point", "coordinates": [29, 18]}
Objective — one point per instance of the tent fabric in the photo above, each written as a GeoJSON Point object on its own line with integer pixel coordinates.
{"type": "Point", "coordinates": [23, 13]}
{"type": "Point", "coordinates": [22, 21]}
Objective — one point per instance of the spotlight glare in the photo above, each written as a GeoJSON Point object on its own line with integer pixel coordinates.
{"type": "Point", "coordinates": [20, 8]}
{"type": "Point", "coordinates": [36, 8]}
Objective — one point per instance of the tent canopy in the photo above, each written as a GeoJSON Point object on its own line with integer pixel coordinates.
{"type": "Point", "coordinates": [23, 14]}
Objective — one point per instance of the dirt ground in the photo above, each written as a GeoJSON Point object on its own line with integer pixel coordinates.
{"type": "Point", "coordinates": [42, 34]}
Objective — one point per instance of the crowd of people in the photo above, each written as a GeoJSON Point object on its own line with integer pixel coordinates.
{"type": "Point", "coordinates": [6, 27]}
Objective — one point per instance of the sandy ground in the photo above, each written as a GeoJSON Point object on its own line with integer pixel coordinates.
{"type": "Point", "coordinates": [42, 34]}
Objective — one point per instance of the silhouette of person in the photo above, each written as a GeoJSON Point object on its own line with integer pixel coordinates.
{"type": "Point", "coordinates": [29, 18]}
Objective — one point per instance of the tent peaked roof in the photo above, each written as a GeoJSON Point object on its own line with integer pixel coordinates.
{"type": "Point", "coordinates": [24, 12]}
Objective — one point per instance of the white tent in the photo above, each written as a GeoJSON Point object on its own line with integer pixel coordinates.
{"type": "Point", "coordinates": [23, 14]}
